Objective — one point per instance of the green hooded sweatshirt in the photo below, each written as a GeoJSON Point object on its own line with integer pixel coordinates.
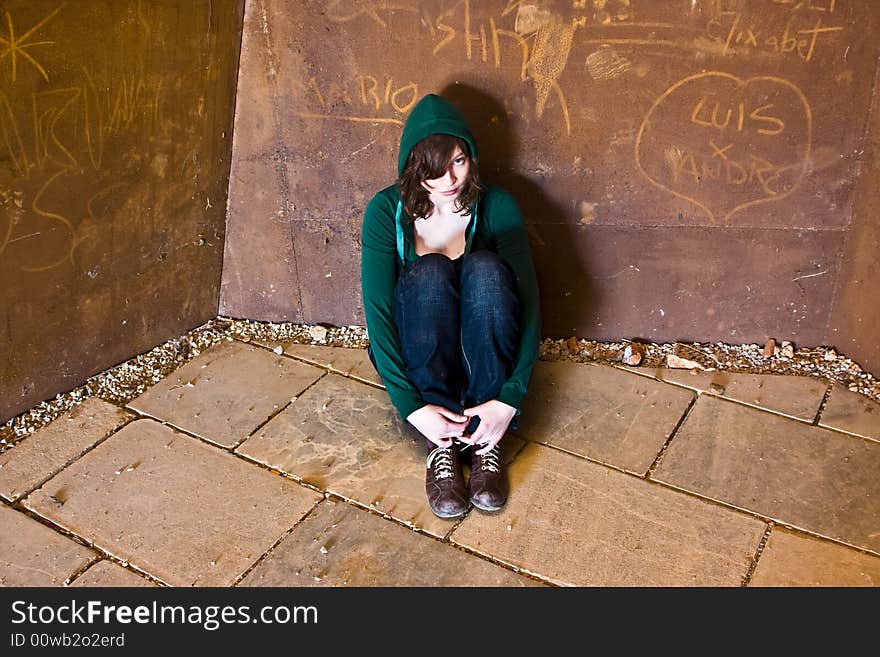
{"type": "Point", "coordinates": [388, 246]}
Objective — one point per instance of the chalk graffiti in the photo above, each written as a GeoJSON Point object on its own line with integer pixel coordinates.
{"type": "Point", "coordinates": [11, 210]}
{"type": "Point", "coordinates": [396, 97]}
{"type": "Point", "coordinates": [342, 11]}
{"type": "Point", "coordinates": [724, 143]}
{"type": "Point", "coordinates": [15, 150]}
{"type": "Point", "coordinates": [135, 98]}
{"type": "Point", "coordinates": [15, 47]}
{"type": "Point", "coordinates": [808, 5]}
{"type": "Point", "coordinates": [357, 96]}
{"type": "Point", "coordinates": [799, 38]}
{"type": "Point", "coordinates": [353, 119]}
{"type": "Point", "coordinates": [544, 60]}
{"type": "Point", "coordinates": [49, 108]}
{"type": "Point", "coordinates": [606, 64]}
{"type": "Point", "coordinates": [68, 129]}
{"type": "Point", "coordinates": [537, 38]}
{"type": "Point", "coordinates": [541, 40]}
{"type": "Point", "coordinates": [549, 57]}
{"type": "Point", "coordinates": [89, 116]}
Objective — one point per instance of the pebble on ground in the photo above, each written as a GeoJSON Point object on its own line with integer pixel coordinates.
{"type": "Point", "coordinates": [126, 381]}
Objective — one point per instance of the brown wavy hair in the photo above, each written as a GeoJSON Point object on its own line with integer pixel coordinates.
{"type": "Point", "coordinates": [429, 159]}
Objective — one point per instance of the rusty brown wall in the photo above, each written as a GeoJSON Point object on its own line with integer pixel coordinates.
{"type": "Point", "coordinates": [854, 325]}
{"type": "Point", "coordinates": [687, 168]}
{"type": "Point", "coordinates": [115, 139]}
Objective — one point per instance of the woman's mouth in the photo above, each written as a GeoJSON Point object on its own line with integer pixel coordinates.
{"type": "Point", "coordinates": [451, 192]}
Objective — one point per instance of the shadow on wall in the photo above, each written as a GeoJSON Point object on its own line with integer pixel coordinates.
{"type": "Point", "coordinates": [497, 146]}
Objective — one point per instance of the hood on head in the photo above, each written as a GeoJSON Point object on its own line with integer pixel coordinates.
{"type": "Point", "coordinates": [432, 115]}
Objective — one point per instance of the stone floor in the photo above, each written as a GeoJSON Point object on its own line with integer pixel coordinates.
{"type": "Point", "coordinates": [247, 467]}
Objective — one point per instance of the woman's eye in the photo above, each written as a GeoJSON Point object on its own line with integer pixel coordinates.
{"type": "Point", "coordinates": [459, 160]}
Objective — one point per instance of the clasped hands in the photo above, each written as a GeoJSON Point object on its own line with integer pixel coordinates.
{"type": "Point", "coordinates": [441, 426]}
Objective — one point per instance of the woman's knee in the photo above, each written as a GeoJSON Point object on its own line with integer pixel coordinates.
{"type": "Point", "coordinates": [486, 271]}
{"type": "Point", "coordinates": [428, 289]}
{"type": "Point", "coordinates": [433, 267]}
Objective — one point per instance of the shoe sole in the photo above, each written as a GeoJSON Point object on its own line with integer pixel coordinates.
{"type": "Point", "coordinates": [448, 516]}
{"type": "Point", "coordinates": [487, 508]}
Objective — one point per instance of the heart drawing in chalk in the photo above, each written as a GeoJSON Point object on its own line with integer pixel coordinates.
{"type": "Point", "coordinates": [724, 143]}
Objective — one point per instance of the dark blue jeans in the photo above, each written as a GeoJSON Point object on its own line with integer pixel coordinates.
{"type": "Point", "coordinates": [458, 322]}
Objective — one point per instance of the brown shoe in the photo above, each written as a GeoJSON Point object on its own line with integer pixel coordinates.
{"type": "Point", "coordinates": [488, 484]}
{"type": "Point", "coordinates": [444, 481]}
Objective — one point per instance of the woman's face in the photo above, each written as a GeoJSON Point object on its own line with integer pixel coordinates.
{"type": "Point", "coordinates": [446, 189]}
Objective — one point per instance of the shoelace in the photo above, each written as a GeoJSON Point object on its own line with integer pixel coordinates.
{"type": "Point", "coordinates": [441, 459]}
{"type": "Point", "coordinates": [491, 460]}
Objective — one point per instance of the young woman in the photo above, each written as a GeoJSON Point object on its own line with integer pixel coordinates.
{"type": "Point", "coordinates": [451, 304]}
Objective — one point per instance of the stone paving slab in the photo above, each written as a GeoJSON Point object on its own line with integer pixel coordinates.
{"type": "Point", "coordinates": [851, 412]}
{"type": "Point", "coordinates": [32, 554]}
{"type": "Point", "coordinates": [36, 458]}
{"type": "Point", "coordinates": [579, 523]}
{"type": "Point", "coordinates": [342, 360]}
{"type": "Point", "coordinates": [795, 396]}
{"type": "Point", "coordinates": [601, 412]}
{"type": "Point", "coordinates": [811, 478]}
{"type": "Point", "coordinates": [340, 545]}
{"type": "Point", "coordinates": [106, 573]}
{"type": "Point", "coordinates": [227, 391]}
{"type": "Point", "coordinates": [791, 559]}
{"type": "Point", "coordinates": [345, 437]}
{"type": "Point", "coordinates": [185, 512]}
